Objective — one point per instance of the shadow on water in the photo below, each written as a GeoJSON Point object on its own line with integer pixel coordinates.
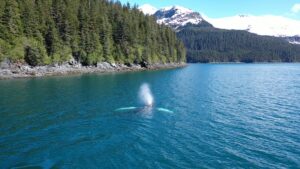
{"type": "Point", "coordinates": [48, 164]}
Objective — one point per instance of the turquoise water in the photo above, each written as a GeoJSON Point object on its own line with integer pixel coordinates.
{"type": "Point", "coordinates": [204, 116]}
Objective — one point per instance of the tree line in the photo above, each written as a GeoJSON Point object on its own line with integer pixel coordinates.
{"type": "Point", "coordinates": [43, 32]}
{"type": "Point", "coordinates": [208, 44]}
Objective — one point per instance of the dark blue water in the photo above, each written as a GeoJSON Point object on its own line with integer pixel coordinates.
{"type": "Point", "coordinates": [224, 116]}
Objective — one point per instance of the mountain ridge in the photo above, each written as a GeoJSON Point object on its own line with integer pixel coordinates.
{"type": "Point", "coordinates": [176, 17]}
{"type": "Point", "coordinates": [207, 43]}
{"type": "Point", "coordinates": [266, 25]}
{"type": "Point", "coordinates": [269, 25]}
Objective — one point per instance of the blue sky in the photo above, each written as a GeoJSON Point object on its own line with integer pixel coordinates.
{"type": "Point", "coordinates": [222, 8]}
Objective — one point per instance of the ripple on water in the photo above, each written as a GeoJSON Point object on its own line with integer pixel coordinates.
{"type": "Point", "coordinates": [243, 116]}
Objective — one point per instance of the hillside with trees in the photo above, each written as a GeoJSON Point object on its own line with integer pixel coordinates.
{"type": "Point", "coordinates": [43, 32]}
{"type": "Point", "coordinates": [207, 44]}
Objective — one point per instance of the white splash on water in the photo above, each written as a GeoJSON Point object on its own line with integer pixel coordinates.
{"type": "Point", "coordinates": [126, 108]}
{"type": "Point", "coordinates": [165, 110]}
{"type": "Point", "coordinates": [145, 95]}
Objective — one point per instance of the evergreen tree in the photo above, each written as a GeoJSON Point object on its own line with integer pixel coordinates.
{"type": "Point", "coordinates": [11, 25]}
{"type": "Point", "coordinates": [43, 32]}
{"type": "Point", "coordinates": [208, 44]}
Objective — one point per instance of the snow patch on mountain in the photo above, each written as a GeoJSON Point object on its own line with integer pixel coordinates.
{"type": "Point", "coordinates": [262, 25]}
{"type": "Point", "coordinates": [293, 40]}
{"type": "Point", "coordinates": [179, 9]}
{"type": "Point", "coordinates": [148, 9]}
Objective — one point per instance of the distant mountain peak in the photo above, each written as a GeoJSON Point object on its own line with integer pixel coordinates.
{"type": "Point", "coordinates": [178, 9]}
{"type": "Point", "coordinates": [243, 15]}
{"type": "Point", "coordinates": [269, 25]}
{"type": "Point", "coordinates": [177, 16]}
{"type": "Point", "coordinates": [148, 9]}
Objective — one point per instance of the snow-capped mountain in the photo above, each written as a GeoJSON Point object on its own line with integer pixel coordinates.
{"type": "Point", "coordinates": [173, 16]}
{"type": "Point", "coordinates": [262, 25]}
{"type": "Point", "coordinates": [177, 16]}
{"type": "Point", "coordinates": [148, 9]}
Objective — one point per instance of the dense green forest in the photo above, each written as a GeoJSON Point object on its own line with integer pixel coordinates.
{"type": "Point", "coordinates": [208, 44]}
{"type": "Point", "coordinates": [42, 32]}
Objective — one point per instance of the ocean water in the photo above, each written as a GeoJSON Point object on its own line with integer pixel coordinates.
{"type": "Point", "coordinates": [203, 116]}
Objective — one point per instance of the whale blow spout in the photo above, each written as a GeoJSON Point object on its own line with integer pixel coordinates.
{"type": "Point", "coordinates": [146, 99]}
{"type": "Point", "coordinates": [145, 95]}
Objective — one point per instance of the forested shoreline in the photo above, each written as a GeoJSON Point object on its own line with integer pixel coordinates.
{"type": "Point", "coordinates": [45, 32]}
{"type": "Point", "coordinates": [206, 44]}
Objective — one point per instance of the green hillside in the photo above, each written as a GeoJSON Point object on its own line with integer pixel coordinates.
{"type": "Point", "coordinates": [208, 44]}
{"type": "Point", "coordinates": [42, 32]}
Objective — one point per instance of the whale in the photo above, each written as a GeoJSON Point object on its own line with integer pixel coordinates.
{"type": "Point", "coordinates": [147, 100]}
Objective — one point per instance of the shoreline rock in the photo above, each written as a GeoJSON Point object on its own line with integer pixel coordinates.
{"type": "Point", "coordinates": [11, 71]}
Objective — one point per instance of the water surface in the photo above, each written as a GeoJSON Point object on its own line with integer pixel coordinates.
{"type": "Point", "coordinates": [221, 116]}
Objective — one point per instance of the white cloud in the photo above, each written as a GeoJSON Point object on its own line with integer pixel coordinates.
{"type": "Point", "coordinates": [296, 8]}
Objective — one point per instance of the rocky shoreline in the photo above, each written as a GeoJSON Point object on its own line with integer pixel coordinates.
{"type": "Point", "coordinates": [10, 70]}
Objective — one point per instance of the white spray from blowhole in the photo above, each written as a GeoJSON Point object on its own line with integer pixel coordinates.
{"type": "Point", "coordinates": [145, 95]}
{"type": "Point", "coordinates": [147, 100]}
